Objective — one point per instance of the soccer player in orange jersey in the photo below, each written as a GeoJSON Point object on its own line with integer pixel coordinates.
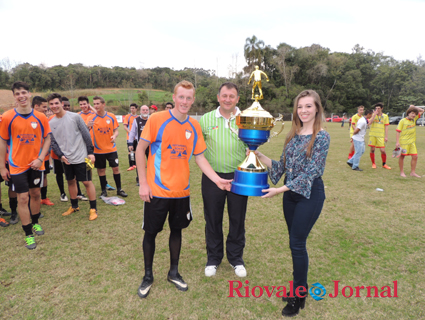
{"type": "Point", "coordinates": [174, 138]}
{"type": "Point", "coordinates": [26, 131]}
{"type": "Point", "coordinates": [104, 133]}
{"type": "Point", "coordinates": [40, 104]}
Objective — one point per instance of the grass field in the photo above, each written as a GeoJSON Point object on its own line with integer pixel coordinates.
{"type": "Point", "coordinates": [91, 270]}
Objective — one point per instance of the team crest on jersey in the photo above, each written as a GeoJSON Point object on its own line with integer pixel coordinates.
{"type": "Point", "coordinates": [36, 181]}
{"type": "Point", "coordinates": [108, 121]}
{"type": "Point", "coordinates": [188, 134]}
{"type": "Point", "coordinates": [34, 125]}
{"type": "Point", "coordinates": [178, 151]}
{"type": "Point", "coordinates": [26, 138]}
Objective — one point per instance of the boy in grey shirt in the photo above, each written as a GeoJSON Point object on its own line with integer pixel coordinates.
{"type": "Point", "coordinates": [72, 143]}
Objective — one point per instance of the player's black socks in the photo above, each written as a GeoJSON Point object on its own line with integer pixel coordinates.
{"type": "Point", "coordinates": [130, 163]}
{"type": "Point", "coordinates": [74, 203]}
{"type": "Point", "coordinates": [35, 217]}
{"type": "Point", "coordinates": [43, 193]}
{"type": "Point", "coordinates": [78, 188]}
{"type": "Point", "coordinates": [59, 181]}
{"type": "Point", "coordinates": [149, 250]}
{"type": "Point", "coordinates": [117, 178]}
{"type": "Point", "coordinates": [27, 229]}
{"type": "Point", "coordinates": [93, 204]}
{"type": "Point", "coordinates": [103, 182]}
{"type": "Point", "coordinates": [175, 244]}
{"type": "Point", "coordinates": [13, 203]}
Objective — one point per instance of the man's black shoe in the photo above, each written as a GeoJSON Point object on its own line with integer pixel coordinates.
{"type": "Point", "coordinates": [357, 169]}
{"type": "Point", "coordinates": [103, 194]}
{"type": "Point", "coordinates": [3, 212]}
{"type": "Point", "coordinates": [145, 286]}
{"type": "Point", "coordinates": [178, 281]}
{"type": "Point", "coordinates": [121, 193]}
{"type": "Point", "coordinates": [14, 218]}
{"type": "Point", "coordinates": [350, 164]}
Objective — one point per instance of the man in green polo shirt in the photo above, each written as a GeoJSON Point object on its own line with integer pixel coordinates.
{"type": "Point", "coordinates": [224, 153]}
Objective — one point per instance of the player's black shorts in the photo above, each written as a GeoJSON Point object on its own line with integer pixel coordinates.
{"type": "Point", "coordinates": [135, 143]}
{"type": "Point", "coordinates": [58, 167]}
{"type": "Point", "coordinates": [21, 183]}
{"type": "Point", "coordinates": [155, 212]}
{"type": "Point", "coordinates": [46, 167]}
{"type": "Point", "coordinates": [129, 144]}
{"type": "Point", "coordinates": [77, 171]}
{"type": "Point", "coordinates": [100, 160]}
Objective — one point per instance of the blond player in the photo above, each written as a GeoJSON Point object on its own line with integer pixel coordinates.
{"type": "Point", "coordinates": [406, 139]}
{"type": "Point", "coordinates": [378, 135]}
{"type": "Point", "coordinates": [354, 120]}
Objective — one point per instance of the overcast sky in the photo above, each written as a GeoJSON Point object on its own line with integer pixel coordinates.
{"type": "Point", "coordinates": [202, 34]}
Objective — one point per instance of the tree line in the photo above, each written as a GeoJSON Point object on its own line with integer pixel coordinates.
{"type": "Point", "coordinates": [343, 80]}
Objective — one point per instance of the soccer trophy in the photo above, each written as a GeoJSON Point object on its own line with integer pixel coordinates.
{"type": "Point", "coordinates": [254, 125]}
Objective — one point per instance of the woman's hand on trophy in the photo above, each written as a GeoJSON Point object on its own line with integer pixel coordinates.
{"type": "Point", "coordinates": [256, 152]}
{"type": "Point", "coordinates": [270, 192]}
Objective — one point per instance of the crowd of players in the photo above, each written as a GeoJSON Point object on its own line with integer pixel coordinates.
{"type": "Point", "coordinates": [41, 136]}
{"type": "Point", "coordinates": [378, 137]}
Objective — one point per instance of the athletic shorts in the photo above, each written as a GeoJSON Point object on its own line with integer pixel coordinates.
{"type": "Point", "coordinates": [77, 171]}
{"type": "Point", "coordinates": [46, 167]}
{"type": "Point", "coordinates": [135, 143]}
{"type": "Point", "coordinates": [410, 149]}
{"type": "Point", "coordinates": [21, 183]}
{"type": "Point", "coordinates": [376, 142]}
{"type": "Point", "coordinates": [100, 160]}
{"type": "Point", "coordinates": [129, 144]}
{"type": "Point", "coordinates": [58, 167]}
{"type": "Point", "coordinates": [155, 212]}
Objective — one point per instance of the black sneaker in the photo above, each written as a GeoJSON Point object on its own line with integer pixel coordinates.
{"type": "Point", "coordinates": [357, 169]}
{"type": "Point", "coordinates": [14, 218]}
{"type": "Point", "coordinates": [121, 193]}
{"type": "Point", "coordinates": [103, 194]}
{"type": "Point", "coordinates": [3, 212]}
{"type": "Point", "coordinates": [145, 286]}
{"type": "Point", "coordinates": [178, 281]}
{"type": "Point", "coordinates": [350, 164]}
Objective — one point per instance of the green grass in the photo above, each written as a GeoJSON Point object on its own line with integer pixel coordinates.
{"type": "Point", "coordinates": [91, 270]}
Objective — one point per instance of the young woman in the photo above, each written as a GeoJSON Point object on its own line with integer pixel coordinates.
{"type": "Point", "coordinates": [303, 162]}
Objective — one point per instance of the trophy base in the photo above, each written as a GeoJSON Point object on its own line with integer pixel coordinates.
{"type": "Point", "coordinates": [249, 183]}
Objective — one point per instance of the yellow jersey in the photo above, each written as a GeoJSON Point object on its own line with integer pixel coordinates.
{"type": "Point", "coordinates": [377, 127]}
{"type": "Point", "coordinates": [407, 129]}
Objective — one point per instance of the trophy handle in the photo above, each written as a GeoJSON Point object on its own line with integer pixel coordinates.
{"type": "Point", "coordinates": [232, 116]}
{"type": "Point", "coordinates": [274, 133]}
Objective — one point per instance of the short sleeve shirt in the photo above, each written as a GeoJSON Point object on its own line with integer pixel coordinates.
{"type": "Point", "coordinates": [172, 144]}
{"type": "Point", "coordinates": [354, 120]}
{"type": "Point", "coordinates": [128, 121]}
{"type": "Point", "coordinates": [87, 116]}
{"type": "Point", "coordinates": [407, 129]}
{"type": "Point", "coordinates": [25, 137]}
{"type": "Point", "coordinates": [102, 131]}
{"type": "Point", "coordinates": [377, 127]}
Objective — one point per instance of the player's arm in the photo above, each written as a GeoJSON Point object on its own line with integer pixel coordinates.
{"type": "Point", "coordinates": [397, 139]}
{"type": "Point", "coordinates": [205, 167]}
{"type": "Point", "coordinates": [3, 170]}
{"type": "Point", "coordinates": [133, 133]}
{"type": "Point", "coordinates": [126, 128]}
{"type": "Point", "coordinates": [374, 113]}
{"type": "Point", "coordinates": [386, 133]}
{"type": "Point", "coordinates": [145, 192]}
{"type": "Point", "coordinates": [36, 164]}
{"type": "Point", "coordinates": [85, 133]}
{"type": "Point", "coordinates": [356, 131]}
{"type": "Point", "coordinates": [115, 135]}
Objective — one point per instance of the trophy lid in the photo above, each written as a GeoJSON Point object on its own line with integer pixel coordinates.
{"type": "Point", "coordinates": [255, 110]}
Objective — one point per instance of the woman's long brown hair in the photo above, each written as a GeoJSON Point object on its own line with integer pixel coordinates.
{"type": "Point", "coordinates": [297, 123]}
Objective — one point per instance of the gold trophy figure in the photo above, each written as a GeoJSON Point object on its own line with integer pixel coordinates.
{"type": "Point", "coordinates": [254, 126]}
{"type": "Point", "coordinates": [257, 82]}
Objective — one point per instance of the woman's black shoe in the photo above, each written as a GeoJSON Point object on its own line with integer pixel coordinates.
{"type": "Point", "coordinates": [293, 307]}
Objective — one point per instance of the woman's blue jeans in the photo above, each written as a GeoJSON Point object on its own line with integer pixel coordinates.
{"type": "Point", "coordinates": [301, 214]}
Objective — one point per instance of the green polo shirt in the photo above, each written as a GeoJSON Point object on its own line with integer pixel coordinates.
{"type": "Point", "coordinates": [224, 149]}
